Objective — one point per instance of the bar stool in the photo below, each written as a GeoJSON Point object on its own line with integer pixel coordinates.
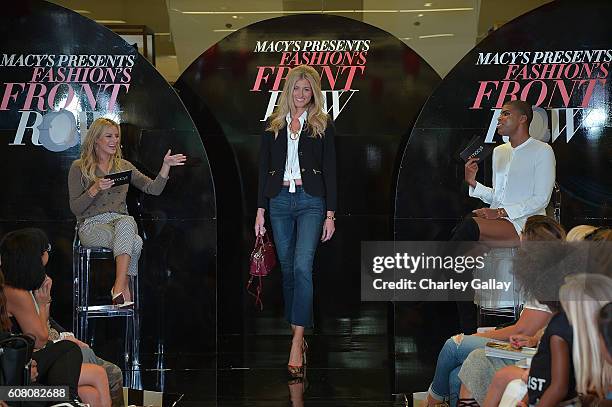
{"type": "Point", "coordinates": [499, 266]}
{"type": "Point", "coordinates": [82, 312]}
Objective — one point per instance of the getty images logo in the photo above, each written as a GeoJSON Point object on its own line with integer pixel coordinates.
{"type": "Point", "coordinates": [57, 131]}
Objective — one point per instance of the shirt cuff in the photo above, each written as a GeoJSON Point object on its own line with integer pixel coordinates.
{"type": "Point", "coordinates": [476, 192]}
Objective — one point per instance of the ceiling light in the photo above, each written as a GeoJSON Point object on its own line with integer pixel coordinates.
{"type": "Point", "coordinates": [360, 11]}
{"type": "Point", "coordinates": [436, 35]}
{"type": "Point", "coordinates": [225, 30]}
{"type": "Point", "coordinates": [234, 17]}
{"type": "Point", "coordinates": [429, 10]}
{"type": "Point", "coordinates": [243, 12]}
{"type": "Point", "coordinates": [82, 11]}
{"type": "Point", "coordinates": [161, 34]}
{"type": "Point", "coordinates": [420, 15]}
{"type": "Point", "coordinates": [406, 38]}
{"type": "Point", "coordinates": [427, 4]}
{"type": "Point", "coordinates": [110, 21]}
{"type": "Point", "coordinates": [325, 11]}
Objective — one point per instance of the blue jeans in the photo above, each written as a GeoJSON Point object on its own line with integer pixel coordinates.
{"type": "Point", "coordinates": [446, 383]}
{"type": "Point", "coordinates": [297, 221]}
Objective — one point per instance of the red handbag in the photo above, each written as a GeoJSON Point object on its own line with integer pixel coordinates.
{"type": "Point", "coordinates": [262, 261]}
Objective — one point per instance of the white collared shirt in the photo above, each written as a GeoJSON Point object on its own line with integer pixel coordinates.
{"type": "Point", "coordinates": [523, 180]}
{"type": "Point", "coordinates": [292, 165]}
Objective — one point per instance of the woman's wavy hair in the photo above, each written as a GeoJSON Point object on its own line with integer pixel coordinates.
{"type": "Point", "coordinates": [600, 251]}
{"type": "Point", "coordinates": [579, 233]}
{"type": "Point", "coordinates": [5, 322]}
{"type": "Point", "coordinates": [604, 321]}
{"type": "Point", "coordinates": [89, 158]}
{"type": "Point", "coordinates": [20, 258]}
{"type": "Point", "coordinates": [582, 297]}
{"type": "Point", "coordinates": [542, 228]}
{"type": "Point", "coordinates": [317, 118]}
{"type": "Point", "coordinates": [539, 265]}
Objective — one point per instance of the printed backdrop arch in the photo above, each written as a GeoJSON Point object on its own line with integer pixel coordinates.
{"type": "Point", "coordinates": [562, 71]}
{"type": "Point", "coordinates": [374, 85]}
{"type": "Point", "coordinates": [527, 57]}
{"type": "Point", "coordinates": [58, 72]}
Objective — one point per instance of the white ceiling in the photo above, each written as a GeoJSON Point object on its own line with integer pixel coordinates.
{"type": "Point", "coordinates": [186, 28]}
{"type": "Point", "coordinates": [405, 19]}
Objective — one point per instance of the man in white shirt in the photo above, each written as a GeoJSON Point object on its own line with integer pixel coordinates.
{"type": "Point", "coordinates": [523, 180]}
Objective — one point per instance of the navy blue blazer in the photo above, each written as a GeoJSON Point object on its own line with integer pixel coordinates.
{"type": "Point", "coordinates": [317, 157]}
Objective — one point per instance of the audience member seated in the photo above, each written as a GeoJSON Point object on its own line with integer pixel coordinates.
{"type": "Point", "coordinates": [582, 297]}
{"type": "Point", "coordinates": [480, 373]}
{"type": "Point", "coordinates": [58, 364]}
{"type": "Point", "coordinates": [551, 379]}
{"type": "Point", "coordinates": [599, 257]}
{"type": "Point", "coordinates": [605, 331]}
{"type": "Point", "coordinates": [579, 233]}
{"type": "Point", "coordinates": [535, 316]}
{"type": "Point", "coordinates": [24, 254]}
{"type": "Point", "coordinates": [585, 298]}
{"type": "Point", "coordinates": [604, 323]}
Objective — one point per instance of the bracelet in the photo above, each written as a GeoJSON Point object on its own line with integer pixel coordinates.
{"type": "Point", "coordinates": [44, 303]}
{"type": "Point", "coordinates": [64, 335]}
{"type": "Point", "coordinates": [330, 217]}
{"type": "Point", "coordinates": [500, 212]}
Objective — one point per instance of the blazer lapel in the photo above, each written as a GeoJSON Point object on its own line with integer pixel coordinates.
{"type": "Point", "coordinates": [279, 148]}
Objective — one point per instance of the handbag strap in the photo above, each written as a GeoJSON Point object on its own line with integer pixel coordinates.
{"type": "Point", "coordinates": [258, 244]}
{"type": "Point", "coordinates": [257, 294]}
{"type": "Point", "coordinates": [262, 239]}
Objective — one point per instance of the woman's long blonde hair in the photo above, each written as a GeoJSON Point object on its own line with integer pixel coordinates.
{"type": "Point", "coordinates": [89, 158]}
{"type": "Point", "coordinates": [578, 233]}
{"type": "Point", "coordinates": [317, 118]}
{"type": "Point", "coordinates": [582, 296]}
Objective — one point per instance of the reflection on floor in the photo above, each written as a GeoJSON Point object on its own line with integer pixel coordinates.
{"type": "Point", "coordinates": [342, 371]}
{"type": "Point", "coordinates": [364, 360]}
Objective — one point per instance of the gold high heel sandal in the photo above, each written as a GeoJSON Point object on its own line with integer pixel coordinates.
{"type": "Point", "coordinates": [297, 372]}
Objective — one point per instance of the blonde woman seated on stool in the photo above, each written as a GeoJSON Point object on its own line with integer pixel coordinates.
{"type": "Point", "coordinates": [101, 209]}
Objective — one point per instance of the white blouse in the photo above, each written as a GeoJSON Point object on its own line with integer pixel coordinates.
{"type": "Point", "coordinates": [292, 165]}
{"type": "Point", "coordinates": [523, 180]}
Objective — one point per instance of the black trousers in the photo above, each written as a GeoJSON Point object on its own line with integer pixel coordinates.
{"type": "Point", "coordinates": [467, 231]}
{"type": "Point", "coordinates": [59, 364]}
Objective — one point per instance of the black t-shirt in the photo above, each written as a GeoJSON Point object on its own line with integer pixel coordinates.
{"type": "Point", "coordinates": [540, 372]}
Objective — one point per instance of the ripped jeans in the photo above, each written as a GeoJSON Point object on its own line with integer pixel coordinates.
{"type": "Point", "coordinates": [446, 383]}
